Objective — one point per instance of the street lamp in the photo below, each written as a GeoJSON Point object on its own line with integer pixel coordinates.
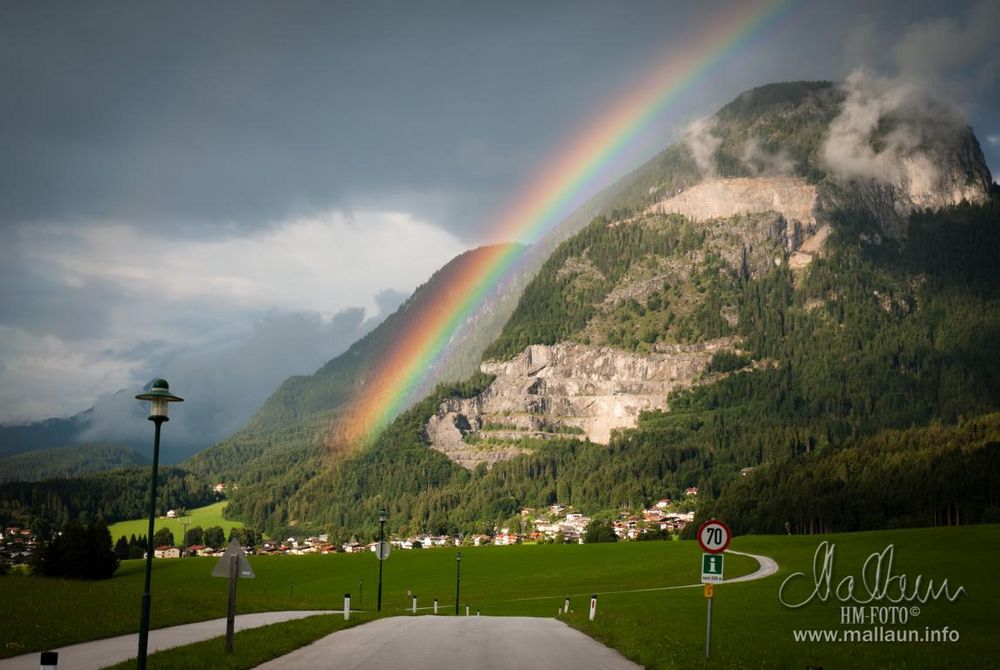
{"type": "Point", "coordinates": [458, 578]}
{"type": "Point", "coordinates": [159, 396]}
{"type": "Point", "coordinates": [382, 516]}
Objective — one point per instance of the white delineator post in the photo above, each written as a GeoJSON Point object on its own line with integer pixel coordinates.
{"type": "Point", "coordinates": [593, 606]}
{"type": "Point", "coordinates": [566, 606]}
{"type": "Point", "coordinates": [347, 606]}
{"type": "Point", "coordinates": [435, 606]}
{"type": "Point", "coordinates": [466, 610]}
{"type": "Point", "coordinates": [49, 660]}
{"type": "Point", "coordinates": [414, 604]}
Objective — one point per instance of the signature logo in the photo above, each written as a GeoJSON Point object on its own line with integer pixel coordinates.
{"type": "Point", "coordinates": [877, 582]}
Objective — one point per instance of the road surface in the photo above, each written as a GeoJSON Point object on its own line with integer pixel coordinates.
{"type": "Point", "coordinates": [454, 643]}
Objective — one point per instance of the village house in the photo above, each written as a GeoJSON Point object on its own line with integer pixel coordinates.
{"type": "Point", "coordinates": [166, 551]}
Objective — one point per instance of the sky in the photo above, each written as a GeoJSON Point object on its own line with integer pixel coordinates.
{"type": "Point", "coordinates": [228, 193]}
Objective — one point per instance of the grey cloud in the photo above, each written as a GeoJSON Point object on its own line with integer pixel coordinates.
{"type": "Point", "coordinates": [941, 63]}
{"type": "Point", "coordinates": [388, 301]}
{"type": "Point", "coordinates": [34, 298]}
{"type": "Point", "coordinates": [225, 384]}
{"type": "Point", "coordinates": [919, 120]}
{"type": "Point", "coordinates": [957, 55]}
{"type": "Point", "coordinates": [702, 143]}
{"type": "Point", "coordinates": [762, 162]}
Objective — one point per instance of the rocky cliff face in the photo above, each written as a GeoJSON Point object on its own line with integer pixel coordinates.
{"type": "Point", "coordinates": [563, 390]}
{"type": "Point", "coordinates": [791, 197]}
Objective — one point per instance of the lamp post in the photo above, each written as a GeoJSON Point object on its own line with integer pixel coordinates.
{"type": "Point", "coordinates": [382, 516]}
{"type": "Point", "coordinates": [158, 396]}
{"type": "Point", "coordinates": [458, 579]}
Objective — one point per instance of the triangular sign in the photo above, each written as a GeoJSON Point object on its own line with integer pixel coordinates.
{"type": "Point", "coordinates": [243, 568]}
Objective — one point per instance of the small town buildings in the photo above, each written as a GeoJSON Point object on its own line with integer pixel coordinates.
{"type": "Point", "coordinates": [166, 552]}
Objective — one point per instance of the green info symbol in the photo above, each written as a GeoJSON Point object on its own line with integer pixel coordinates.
{"type": "Point", "coordinates": [711, 567]}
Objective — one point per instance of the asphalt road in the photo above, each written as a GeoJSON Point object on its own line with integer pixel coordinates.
{"type": "Point", "coordinates": [455, 643]}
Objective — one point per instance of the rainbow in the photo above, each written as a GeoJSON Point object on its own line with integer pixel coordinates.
{"type": "Point", "coordinates": [599, 149]}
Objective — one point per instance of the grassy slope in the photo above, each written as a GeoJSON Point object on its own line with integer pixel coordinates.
{"type": "Point", "coordinates": [752, 627]}
{"type": "Point", "coordinates": [660, 629]}
{"type": "Point", "coordinates": [210, 515]}
{"type": "Point", "coordinates": [42, 613]}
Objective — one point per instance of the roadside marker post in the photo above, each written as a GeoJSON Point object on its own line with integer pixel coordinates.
{"type": "Point", "coordinates": [714, 537]}
{"type": "Point", "coordinates": [466, 610]}
{"type": "Point", "coordinates": [233, 565]}
{"type": "Point", "coordinates": [414, 604]}
{"type": "Point", "coordinates": [435, 606]}
{"type": "Point", "coordinates": [566, 606]}
{"type": "Point", "coordinates": [593, 606]}
{"type": "Point", "coordinates": [347, 607]}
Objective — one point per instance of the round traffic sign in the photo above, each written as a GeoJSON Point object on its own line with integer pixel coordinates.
{"type": "Point", "coordinates": [714, 536]}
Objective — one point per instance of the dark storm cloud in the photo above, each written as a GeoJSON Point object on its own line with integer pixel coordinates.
{"type": "Point", "coordinates": [39, 305]}
{"type": "Point", "coordinates": [249, 112]}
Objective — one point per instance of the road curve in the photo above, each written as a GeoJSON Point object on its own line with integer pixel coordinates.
{"type": "Point", "coordinates": [441, 643]}
{"type": "Point", "coordinates": [767, 566]}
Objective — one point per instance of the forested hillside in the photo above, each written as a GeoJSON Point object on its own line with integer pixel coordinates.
{"type": "Point", "coordinates": [111, 496]}
{"type": "Point", "coordinates": [67, 462]}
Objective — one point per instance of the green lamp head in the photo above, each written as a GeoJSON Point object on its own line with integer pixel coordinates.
{"type": "Point", "coordinates": [158, 396]}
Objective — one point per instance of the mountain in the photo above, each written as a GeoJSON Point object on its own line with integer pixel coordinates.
{"type": "Point", "coordinates": [45, 434]}
{"type": "Point", "coordinates": [69, 461]}
{"type": "Point", "coordinates": [750, 297]}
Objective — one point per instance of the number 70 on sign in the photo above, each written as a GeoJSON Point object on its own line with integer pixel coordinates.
{"type": "Point", "coordinates": [714, 536]}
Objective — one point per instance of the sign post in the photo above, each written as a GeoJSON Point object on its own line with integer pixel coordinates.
{"type": "Point", "coordinates": [713, 537]}
{"type": "Point", "coordinates": [233, 564]}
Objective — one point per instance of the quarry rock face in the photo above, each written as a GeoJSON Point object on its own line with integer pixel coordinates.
{"type": "Point", "coordinates": [569, 390]}
{"type": "Point", "coordinates": [792, 197]}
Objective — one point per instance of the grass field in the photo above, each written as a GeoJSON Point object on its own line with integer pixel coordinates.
{"type": "Point", "coordinates": [657, 628]}
{"type": "Point", "coordinates": [753, 629]}
{"type": "Point", "coordinates": [206, 517]}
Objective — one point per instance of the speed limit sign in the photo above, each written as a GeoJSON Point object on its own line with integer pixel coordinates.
{"type": "Point", "coordinates": [714, 536]}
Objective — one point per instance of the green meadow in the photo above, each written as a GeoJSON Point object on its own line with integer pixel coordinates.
{"type": "Point", "coordinates": [638, 613]}
{"type": "Point", "coordinates": [206, 517]}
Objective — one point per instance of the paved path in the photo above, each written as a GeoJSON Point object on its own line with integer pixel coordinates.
{"type": "Point", "coordinates": [767, 567]}
{"type": "Point", "coordinates": [102, 653]}
{"type": "Point", "coordinates": [451, 643]}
